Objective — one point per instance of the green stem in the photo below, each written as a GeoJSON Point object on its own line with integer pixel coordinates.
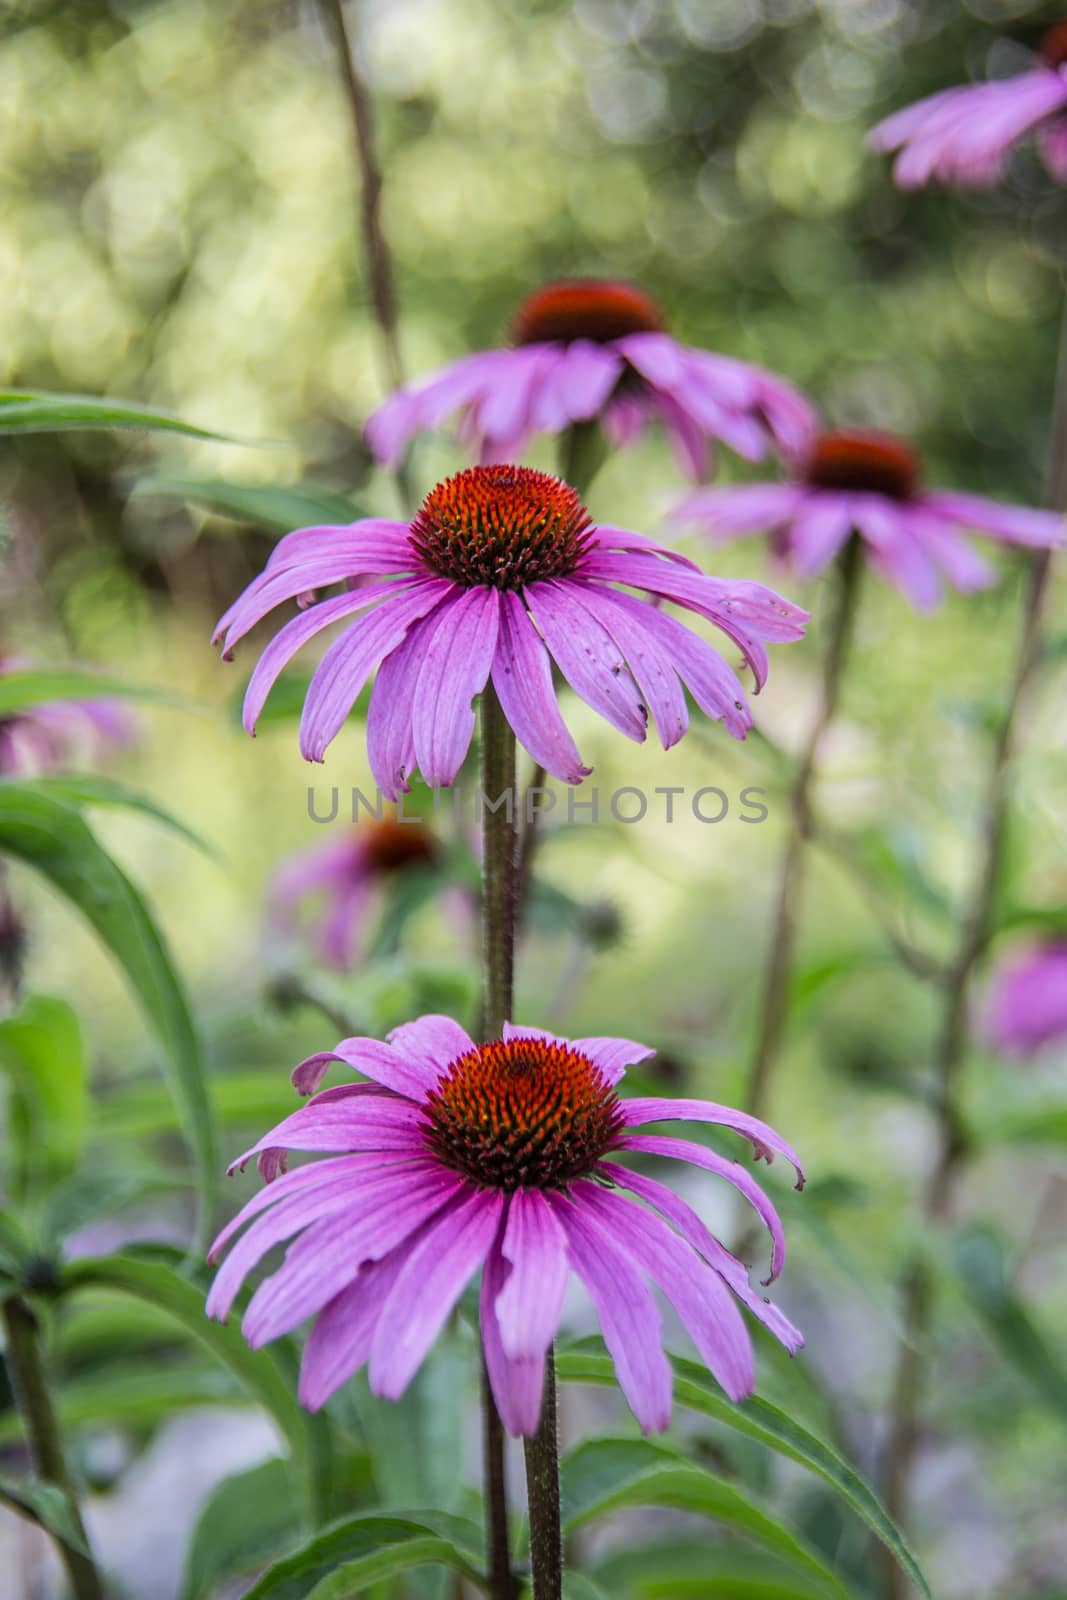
{"type": "Point", "coordinates": [542, 1489]}
{"type": "Point", "coordinates": [28, 1380]}
{"type": "Point", "coordinates": [774, 1003]}
{"type": "Point", "coordinates": [499, 910]}
{"type": "Point", "coordinates": [975, 932]}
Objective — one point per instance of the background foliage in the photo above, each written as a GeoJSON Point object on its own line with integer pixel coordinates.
{"type": "Point", "coordinates": [177, 226]}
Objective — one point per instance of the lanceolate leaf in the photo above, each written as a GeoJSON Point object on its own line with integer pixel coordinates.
{"type": "Point", "coordinates": [249, 1519]}
{"type": "Point", "coordinates": [356, 1554]}
{"type": "Point", "coordinates": [605, 1475]}
{"type": "Point", "coordinates": [46, 1504]}
{"type": "Point", "coordinates": [36, 686]}
{"type": "Point", "coordinates": [586, 1363]}
{"type": "Point", "coordinates": [49, 835]}
{"type": "Point", "coordinates": [33, 411]}
{"type": "Point", "coordinates": [41, 1050]}
{"type": "Point", "coordinates": [266, 505]}
{"type": "Point", "coordinates": [87, 789]}
{"type": "Point", "coordinates": [264, 1373]}
{"type": "Point", "coordinates": [703, 1570]}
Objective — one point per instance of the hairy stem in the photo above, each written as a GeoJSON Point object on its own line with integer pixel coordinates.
{"type": "Point", "coordinates": [499, 910]}
{"type": "Point", "coordinates": [542, 1487]}
{"type": "Point", "coordinates": [22, 1350]}
{"type": "Point", "coordinates": [774, 1002]}
{"type": "Point", "coordinates": [975, 930]}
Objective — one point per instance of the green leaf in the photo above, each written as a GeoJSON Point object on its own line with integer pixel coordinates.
{"type": "Point", "coordinates": [86, 789]}
{"type": "Point", "coordinates": [34, 411]}
{"type": "Point", "coordinates": [248, 1520]}
{"type": "Point", "coordinates": [693, 1387]}
{"type": "Point", "coordinates": [36, 686]}
{"type": "Point", "coordinates": [262, 1372]}
{"type": "Point", "coordinates": [277, 507]}
{"type": "Point", "coordinates": [134, 1399]}
{"type": "Point", "coordinates": [41, 1051]}
{"type": "Point", "coordinates": [359, 1552]}
{"type": "Point", "coordinates": [579, 1586]}
{"type": "Point", "coordinates": [979, 1260]}
{"type": "Point", "coordinates": [49, 835]}
{"type": "Point", "coordinates": [48, 1506]}
{"type": "Point", "coordinates": [605, 1475]}
{"type": "Point", "coordinates": [703, 1570]}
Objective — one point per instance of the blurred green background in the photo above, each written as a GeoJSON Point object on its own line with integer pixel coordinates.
{"type": "Point", "coordinates": [178, 204]}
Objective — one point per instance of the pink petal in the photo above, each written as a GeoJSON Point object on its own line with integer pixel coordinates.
{"type": "Point", "coordinates": [697, 1293]}
{"type": "Point", "coordinates": [1016, 524]}
{"type": "Point", "coordinates": [390, 739]}
{"type": "Point", "coordinates": [821, 526]}
{"type": "Point", "coordinates": [629, 1316]}
{"type": "Point", "coordinates": [650, 666]}
{"type": "Point", "coordinates": [739, 508]}
{"type": "Point", "coordinates": [612, 1055]}
{"type": "Point", "coordinates": [763, 1138]}
{"type": "Point", "coordinates": [743, 1181]}
{"type": "Point", "coordinates": [351, 659]}
{"type": "Point", "coordinates": [588, 657]}
{"type": "Point", "coordinates": [433, 1277]}
{"type": "Point", "coordinates": [529, 1304]}
{"type": "Point", "coordinates": [522, 677]}
{"type": "Point", "coordinates": [518, 1384]}
{"type": "Point", "coordinates": [694, 1231]}
{"type": "Point", "coordinates": [340, 1341]}
{"type": "Point", "coordinates": [715, 687]}
{"type": "Point", "coordinates": [433, 1042]}
{"type": "Point", "coordinates": [395, 1065]}
{"type": "Point", "coordinates": [326, 1258]}
{"type": "Point", "coordinates": [457, 656]}
{"type": "Point", "coordinates": [373, 1122]}
{"type": "Point", "coordinates": [610, 538]}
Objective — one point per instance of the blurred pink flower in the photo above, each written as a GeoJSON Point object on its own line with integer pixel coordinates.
{"type": "Point", "coordinates": [59, 733]}
{"type": "Point", "coordinates": [1026, 1003]}
{"type": "Point", "coordinates": [595, 349]}
{"type": "Point", "coordinates": [963, 137]}
{"type": "Point", "coordinates": [868, 484]}
{"type": "Point", "coordinates": [349, 879]}
{"type": "Point", "coordinates": [500, 574]}
{"type": "Point", "coordinates": [459, 1157]}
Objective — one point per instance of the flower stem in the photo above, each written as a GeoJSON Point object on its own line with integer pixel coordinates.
{"type": "Point", "coordinates": [774, 1003]}
{"type": "Point", "coordinates": [499, 911]}
{"type": "Point", "coordinates": [542, 1488]}
{"type": "Point", "coordinates": [23, 1354]}
{"type": "Point", "coordinates": [975, 932]}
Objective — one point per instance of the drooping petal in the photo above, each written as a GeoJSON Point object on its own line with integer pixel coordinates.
{"type": "Point", "coordinates": [309, 1073]}
{"type": "Point", "coordinates": [298, 632]}
{"type": "Point", "coordinates": [351, 659]}
{"type": "Point", "coordinates": [714, 685]}
{"type": "Point", "coordinates": [739, 508]}
{"type": "Point", "coordinates": [763, 1138]}
{"type": "Point", "coordinates": [457, 656]}
{"type": "Point", "coordinates": [529, 1304]}
{"type": "Point", "coordinates": [373, 1122]}
{"type": "Point", "coordinates": [588, 658]}
{"type": "Point", "coordinates": [390, 738]}
{"type": "Point", "coordinates": [743, 1181]}
{"type": "Point", "coordinates": [608, 537]}
{"type": "Point", "coordinates": [356, 1194]}
{"type": "Point", "coordinates": [522, 678]}
{"type": "Point", "coordinates": [894, 549]}
{"type": "Point", "coordinates": [339, 1343]}
{"type": "Point", "coordinates": [327, 1257]}
{"type": "Point", "coordinates": [518, 1382]}
{"type": "Point", "coordinates": [734, 1272]}
{"type": "Point", "coordinates": [433, 1277]}
{"type": "Point", "coordinates": [1015, 524]}
{"type": "Point", "coordinates": [696, 1291]}
{"type": "Point", "coordinates": [629, 1316]}
{"type": "Point", "coordinates": [821, 526]}
{"type": "Point", "coordinates": [649, 665]}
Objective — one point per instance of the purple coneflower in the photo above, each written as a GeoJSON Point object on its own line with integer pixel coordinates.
{"type": "Point", "coordinates": [349, 879]}
{"type": "Point", "coordinates": [868, 484]}
{"type": "Point", "coordinates": [1026, 1006]}
{"type": "Point", "coordinates": [457, 1157]}
{"type": "Point", "coordinates": [595, 350]}
{"type": "Point", "coordinates": [58, 733]}
{"type": "Point", "coordinates": [964, 136]}
{"type": "Point", "coordinates": [500, 574]}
